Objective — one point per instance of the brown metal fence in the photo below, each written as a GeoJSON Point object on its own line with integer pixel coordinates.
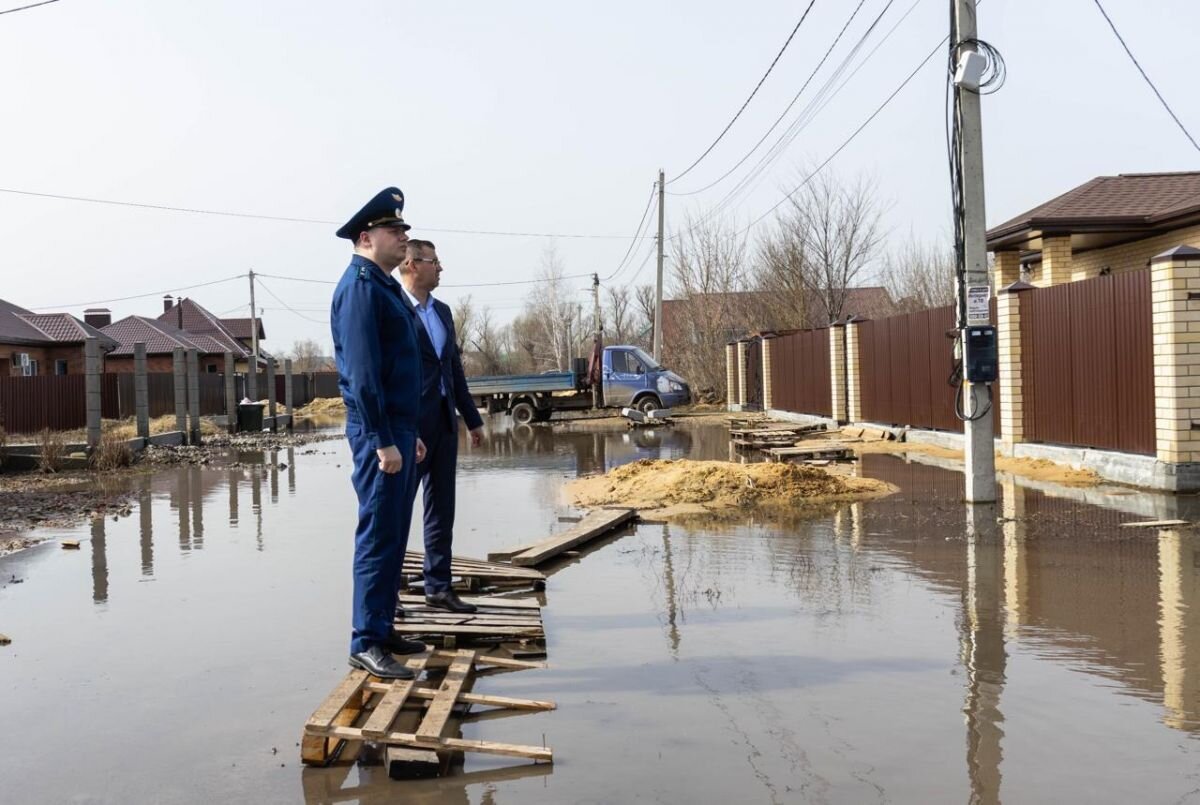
{"type": "Point", "coordinates": [800, 377]}
{"type": "Point", "coordinates": [29, 404]}
{"type": "Point", "coordinates": [1088, 363]}
{"type": "Point", "coordinates": [904, 366]}
{"type": "Point", "coordinates": [325, 384]}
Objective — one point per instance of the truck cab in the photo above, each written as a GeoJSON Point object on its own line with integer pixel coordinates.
{"type": "Point", "coordinates": [633, 379]}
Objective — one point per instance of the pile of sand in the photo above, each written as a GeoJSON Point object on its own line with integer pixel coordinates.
{"type": "Point", "coordinates": [685, 487]}
{"type": "Point", "coordinates": [322, 406]}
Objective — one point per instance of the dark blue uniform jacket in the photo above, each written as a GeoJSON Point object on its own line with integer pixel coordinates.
{"type": "Point", "coordinates": [375, 346]}
{"type": "Point", "coordinates": [444, 372]}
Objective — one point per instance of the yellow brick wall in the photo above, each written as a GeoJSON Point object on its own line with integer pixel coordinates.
{"type": "Point", "coordinates": [853, 374]}
{"type": "Point", "coordinates": [1131, 256]}
{"type": "Point", "coordinates": [837, 372]}
{"type": "Point", "coordinates": [743, 356]}
{"type": "Point", "coordinates": [1176, 359]}
{"type": "Point", "coordinates": [1057, 261]}
{"type": "Point", "coordinates": [1007, 269]}
{"type": "Point", "coordinates": [768, 395]}
{"type": "Point", "coordinates": [731, 375]}
{"type": "Point", "coordinates": [1012, 404]}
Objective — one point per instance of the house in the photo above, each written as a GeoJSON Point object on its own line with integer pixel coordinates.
{"type": "Point", "coordinates": [189, 325]}
{"type": "Point", "coordinates": [1111, 224]}
{"type": "Point", "coordinates": [34, 344]}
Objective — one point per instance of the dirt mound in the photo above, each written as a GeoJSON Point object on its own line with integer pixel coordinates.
{"type": "Point", "coordinates": [322, 406]}
{"type": "Point", "coordinates": [686, 486]}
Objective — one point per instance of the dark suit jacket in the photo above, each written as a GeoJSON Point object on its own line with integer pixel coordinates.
{"type": "Point", "coordinates": [447, 369]}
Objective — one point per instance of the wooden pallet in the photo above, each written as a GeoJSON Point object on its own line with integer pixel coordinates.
{"type": "Point", "coordinates": [497, 619]}
{"type": "Point", "coordinates": [595, 524]}
{"type": "Point", "coordinates": [813, 453]}
{"type": "Point", "coordinates": [365, 708]}
{"type": "Point", "coordinates": [478, 574]}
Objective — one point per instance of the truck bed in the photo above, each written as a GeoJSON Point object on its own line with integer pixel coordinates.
{"type": "Point", "coordinates": [516, 384]}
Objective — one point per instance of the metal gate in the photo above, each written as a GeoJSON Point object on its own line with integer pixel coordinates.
{"type": "Point", "coordinates": [1087, 357]}
{"type": "Point", "coordinates": [753, 374]}
{"type": "Point", "coordinates": [800, 378]}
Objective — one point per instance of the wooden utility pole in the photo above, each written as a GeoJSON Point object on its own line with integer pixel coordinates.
{"type": "Point", "coordinates": [979, 454]}
{"type": "Point", "coordinates": [252, 376]}
{"type": "Point", "coordinates": [658, 287]}
{"type": "Point", "coordinates": [597, 347]}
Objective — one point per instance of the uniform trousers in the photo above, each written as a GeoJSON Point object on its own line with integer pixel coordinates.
{"type": "Point", "coordinates": [385, 504]}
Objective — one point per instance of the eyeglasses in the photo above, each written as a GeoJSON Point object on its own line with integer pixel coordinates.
{"type": "Point", "coordinates": [433, 260]}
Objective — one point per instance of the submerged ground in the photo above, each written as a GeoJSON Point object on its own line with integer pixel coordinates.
{"type": "Point", "coordinates": [867, 652]}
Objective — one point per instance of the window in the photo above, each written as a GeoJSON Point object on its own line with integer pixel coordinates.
{"type": "Point", "coordinates": [211, 368]}
{"type": "Point", "coordinates": [60, 366]}
{"type": "Point", "coordinates": [624, 363]}
{"type": "Point", "coordinates": [32, 369]}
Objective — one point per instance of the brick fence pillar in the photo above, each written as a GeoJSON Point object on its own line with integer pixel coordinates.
{"type": "Point", "coordinates": [1176, 321]}
{"type": "Point", "coordinates": [837, 370]}
{"type": "Point", "coordinates": [853, 371]}
{"type": "Point", "coordinates": [743, 363]}
{"type": "Point", "coordinates": [1056, 262]}
{"type": "Point", "coordinates": [1008, 336]}
{"type": "Point", "coordinates": [768, 396]}
{"type": "Point", "coordinates": [731, 377]}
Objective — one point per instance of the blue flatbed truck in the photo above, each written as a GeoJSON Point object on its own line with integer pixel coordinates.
{"type": "Point", "coordinates": [630, 379]}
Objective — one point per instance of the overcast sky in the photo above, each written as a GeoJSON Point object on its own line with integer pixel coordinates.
{"type": "Point", "coordinates": [545, 117]}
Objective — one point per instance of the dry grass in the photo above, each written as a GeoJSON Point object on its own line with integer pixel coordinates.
{"type": "Point", "coordinates": [112, 452]}
{"type": "Point", "coordinates": [52, 450]}
{"type": "Point", "coordinates": [120, 429]}
{"type": "Point", "coordinates": [322, 407]}
{"type": "Point", "coordinates": [3, 445]}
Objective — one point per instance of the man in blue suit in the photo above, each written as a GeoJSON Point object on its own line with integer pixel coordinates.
{"type": "Point", "coordinates": [379, 375]}
{"type": "Point", "coordinates": [444, 396]}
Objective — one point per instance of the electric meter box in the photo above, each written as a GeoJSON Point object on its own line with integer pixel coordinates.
{"type": "Point", "coordinates": [982, 353]}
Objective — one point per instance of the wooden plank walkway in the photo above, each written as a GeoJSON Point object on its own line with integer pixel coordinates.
{"type": "Point", "coordinates": [480, 574]}
{"type": "Point", "coordinates": [497, 619]}
{"type": "Point", "coordinates": [595, 524]}
{"type": "Point", "coordinates": [832, 452]}
{"type": "Point", "coordinates": [365, 708]}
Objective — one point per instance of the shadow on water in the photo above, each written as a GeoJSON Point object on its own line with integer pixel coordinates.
{"type": "Point", "coordinates": [794, 645]}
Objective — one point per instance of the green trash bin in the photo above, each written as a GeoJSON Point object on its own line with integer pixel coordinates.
{"type": "Point", "coordinates": [250, 417]}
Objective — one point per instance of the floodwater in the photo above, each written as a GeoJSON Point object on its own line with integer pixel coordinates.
{"type": "Point", "coordinates": [897, 651]}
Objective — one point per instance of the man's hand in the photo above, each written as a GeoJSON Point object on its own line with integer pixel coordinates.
{"type": "Point", "coordinates": [477, 436]}
{"type": "Point", "coordinates": [390, 460]}
{"type": "Point", "coordinates": [420, 450]}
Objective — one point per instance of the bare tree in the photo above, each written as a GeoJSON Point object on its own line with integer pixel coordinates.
{"type": "Point", "coordinates": [644, 297]}
{"type": "Point", "coordinates": [826, 238]}
{"type": "Point", "coordinates": [710, 305]}
{"type": "Point", "coordinates": [618, 317]}
{"type": "Point", "coordinates": [464, 321]}
{"type": "Point", "coordinates": [490, 350]}
{"type": "Point", "coordinates": [524, 332]}
{"type": "Point", "coordinates": [307, 356]}
{"type": "Point", "coordinates": [919, 275]}
{"type": "Point", "coordinates": [559, 320]}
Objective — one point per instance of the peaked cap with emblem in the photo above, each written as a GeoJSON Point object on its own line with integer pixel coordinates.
{"type": "Point", "coordinates": [385, 208]}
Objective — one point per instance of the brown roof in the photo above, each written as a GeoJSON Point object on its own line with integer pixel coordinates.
{"type": "Point", "coordinates": [21, 326]}
{"type": "Point", "coordinates": [1128, 203]}
{"type": "Point", "coordinates": [197, 321]}
{"type": "Point", "coordinates": [158, 337]}
{"type": "Point", "coordinates": [241, 328]}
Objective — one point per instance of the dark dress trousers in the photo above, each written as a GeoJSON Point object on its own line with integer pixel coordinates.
{"type": "Point", "coordinates": [379, 375]}
{"type": "Point", "coordinates": [444, 395]}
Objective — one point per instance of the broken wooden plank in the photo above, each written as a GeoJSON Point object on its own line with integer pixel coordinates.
{"type": "Point", "coordinates": [594, 525]}
{"type": "Point", "coordinates": [467, 629]}
{"type": "Point", "coordinates": [70, 544]}
{"type": "Point", "coordinates": [318, 750]}
{"type": "Point", "coordinates": [438, 714]}
{"type": "Point", "coordinates": [483, 700]}
{"type": "Point", "coordinates": [381, 718]}
{"type": "Point", "coordinates": [1156, 524]}
{"type": "Point", "coordinates": [5, 640]}
{"type": "Point", "coordinates": [350, 687]}
{"type": "Point", "coordinates": [477, 600]}
{"type": "Point", "coordinates": [543, 753]}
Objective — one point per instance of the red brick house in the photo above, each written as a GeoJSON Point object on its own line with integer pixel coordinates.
{"type": "Point", "coordinates": [44, 343]}
{"type": "Point", "coordinates": [188, 325]}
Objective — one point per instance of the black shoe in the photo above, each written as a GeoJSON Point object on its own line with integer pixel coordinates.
{"type": "Point", "coordinates": [377, 661]}
{"type": "Point", "coordinates": [399, 645]}
{"type": "Point", "coordinates": [447, 599]}
{"type": "Point", "coordinates": [399, 612]}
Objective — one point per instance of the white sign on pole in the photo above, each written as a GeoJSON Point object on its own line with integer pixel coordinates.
{"type": "Point", "coordinates": [978, 297]}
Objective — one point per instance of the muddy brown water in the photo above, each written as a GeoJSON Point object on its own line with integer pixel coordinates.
{"type": "Point", "coordinates": [881, 652]}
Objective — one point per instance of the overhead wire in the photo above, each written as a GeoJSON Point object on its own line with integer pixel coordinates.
{"type": "Point", "coordinates": [753, 92]}
{"type": "Point", "coordinates": [142, 295]}
{"type": "Point", "coordinates": [1138, 65]}
{"type": "Point", "coordinates": [286, 306]}
{"type": "Point", "coordinates": [636, 237]}
{"type": "Point", "coordinates": [466, 285]}
{"type": "Point", "coordinates": [292, 219]}
{"type": "Point", "coordinates": [25, 8]}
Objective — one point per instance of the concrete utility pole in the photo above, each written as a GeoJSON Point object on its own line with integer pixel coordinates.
{"type": "Point", "coordinates": [979, 458]}
{"type": "Point", "coordinates": [252, 377]}
{"type": "Point", "coordinates": [658, 288]}
{"type": "Point", "coordinates": [597, 332]}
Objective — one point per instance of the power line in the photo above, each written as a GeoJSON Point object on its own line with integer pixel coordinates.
{"type": "Point", "coordinates": [31, 5]}
{"type": "Point", "coordinates": [636, 234]}
{"type": "Point", "coordinates": [1158, 94]}
{"type": "Point", "coordinates": [783, 114]}
{"type": "Point", "coordinates": [142, 295]}
{"type": "Point", "coordinates": [294, 220]}
{"type": "Point", "coordinates": [286, 306]}
{"type": "Point", "coordinates": [754, 92]}
{"type": "Point", "coordinates": [469, 285]}
{"type": "Point", "coordinates": [849, 139]}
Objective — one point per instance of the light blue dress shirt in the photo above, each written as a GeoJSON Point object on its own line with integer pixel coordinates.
{"type": "Point", "coordinates": [433, 326]}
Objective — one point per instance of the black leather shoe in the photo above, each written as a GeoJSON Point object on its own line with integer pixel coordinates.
{"type": "Point", "coordinates": [400, 645]}
{"type": "Point", "coordinates": [377, 661]}
{"type": "Point", "coordinates": [447, 599]}
{"type": "Point", "coordinates": [399, 612]}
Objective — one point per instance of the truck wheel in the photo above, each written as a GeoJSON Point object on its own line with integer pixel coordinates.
{"type": "Point", "coordinates": [542, 415]}
{"type": "Point", "coordinates": [523, 413]}
{"type": "Point", "coordinates": [648, 403]}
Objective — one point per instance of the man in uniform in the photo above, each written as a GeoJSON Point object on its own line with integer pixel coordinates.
{"type": "Point", "coordinates": [379, 375]}
{"type": "Point", "coordinates": [444, 396]}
